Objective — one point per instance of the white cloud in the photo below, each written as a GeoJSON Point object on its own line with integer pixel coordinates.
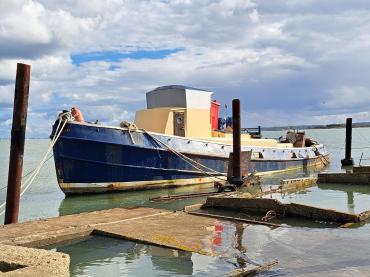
{"type": "Point", "coordinates": [254, 16]}
{"type": "Point", "coordinates": [288, 61]}
{"type": "Point", "coordinates": [341, 118]}
{"type": "Point", "coordinates": [6, 95]}
{"type": "Point", "coordinates": [348, 97]}
{"type": "Point", "coordinates": [29, 30]}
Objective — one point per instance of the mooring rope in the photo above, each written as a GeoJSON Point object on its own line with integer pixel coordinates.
{"type": "Point", "coordinates": [182, 155]}
{"type": "Point", "coordinates": [64, 117]}
{"type": "Point", "coordinates": [187, 159]}
{"type": "Point", "coordinates": [321, 156]}
{"type": "Point", "coordinates": [269, 215]}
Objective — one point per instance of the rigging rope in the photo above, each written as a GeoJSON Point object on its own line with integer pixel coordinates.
{"type": "Point", "coordinates": [27, 174]}
{"type": "Point", "coordinates": [64, 117]}
{"type": "Point", "coordinates": [187, 159]}
{"type": "Point", "coordinates": [322, 158]}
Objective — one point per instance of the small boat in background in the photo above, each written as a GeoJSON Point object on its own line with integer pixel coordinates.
{"type": "Point", "coordinates": [176, 141]}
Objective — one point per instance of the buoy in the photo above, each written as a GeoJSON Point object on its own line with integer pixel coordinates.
{"type": "Point", "coordinates": [77, 114]}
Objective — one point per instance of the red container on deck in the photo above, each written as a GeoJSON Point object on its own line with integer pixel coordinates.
{"type": "Point", "coordinates": [215, 110]}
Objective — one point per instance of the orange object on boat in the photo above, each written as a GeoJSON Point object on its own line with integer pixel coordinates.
{"type": "Point", "coordinates": [77, 114]}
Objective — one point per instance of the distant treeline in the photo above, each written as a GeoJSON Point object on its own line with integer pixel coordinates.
{"type": "Point", "coordinates": [328, 126]}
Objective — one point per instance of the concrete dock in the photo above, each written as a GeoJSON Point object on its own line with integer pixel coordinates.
{"type": "Point", "coordinates": [344, 178]}
{"type": "Point", "coordinates": [154, 226]}
{"type": "Point", "coordinates": [177, 230]}
{"type": "Point", "coordinates": [23, 261]}
{"type": "Point", "coordinates": [360, 175]}
{"type": "Point", "coordinates": [239, 202]}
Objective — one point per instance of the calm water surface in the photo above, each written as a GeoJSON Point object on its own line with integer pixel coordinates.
{"type": "Point", "coordinates": [299, 249]}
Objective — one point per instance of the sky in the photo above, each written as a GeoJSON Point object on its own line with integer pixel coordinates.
{"type": "Point", "coordinates": [290, 62]}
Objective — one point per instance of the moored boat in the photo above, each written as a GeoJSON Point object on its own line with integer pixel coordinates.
{"type": "Point", "coordinates": [175, 141]}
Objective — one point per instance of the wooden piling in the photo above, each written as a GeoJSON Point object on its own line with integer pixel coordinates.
{"type": "Point", "coordinates": [17, 143]}
{"type": "Point", "coordinates": [348, 159]}
{"type": "Point", "coordinates": [236, 178]}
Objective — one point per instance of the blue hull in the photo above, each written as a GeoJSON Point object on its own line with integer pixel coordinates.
{"type": "Point", "coordinates": [91, 158]}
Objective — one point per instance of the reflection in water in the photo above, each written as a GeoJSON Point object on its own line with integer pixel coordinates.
{"type": "Point", "coordinates": [357, 196]}
{"type": "Point", "coordinates": [347, 169]}
{"type": "Point", "coordinates": [350, 202]}
{"type": "Point", "coordinates": [344, 198]}
{"type": "Point", "coordinates": [86, 203]}
{"type": "Point", "coordinates": [98, 256]}
{"type": "Point", "coordinates": [116, 257]}
{"type": "Point", "coordinates": [239, 230]}
{"type": "Point", "coordinates": [361, 189]}
{"type": "Point", "coordinates": [163, 259]}
{"type": "Point", "coordinates": [113, 257]}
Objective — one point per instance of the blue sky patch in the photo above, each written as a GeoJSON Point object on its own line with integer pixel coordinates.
{"type": "Point", "coordinates": [115, 56]}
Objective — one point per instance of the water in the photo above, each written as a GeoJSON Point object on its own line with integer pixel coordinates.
{"type": "Point", "coordinates": [126, 258]}
{"type": "Point", "coordinates": [352, 200]}
{"type": "Point", "coordinates": [299, 249]}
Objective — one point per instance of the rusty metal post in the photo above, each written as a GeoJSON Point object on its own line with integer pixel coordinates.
{"type": "Point", "coordinates": [22, 83]}
{"type": "Point", "coordinates": [348, 159]}
{"type": "Point", "coordinates": [236, 178]}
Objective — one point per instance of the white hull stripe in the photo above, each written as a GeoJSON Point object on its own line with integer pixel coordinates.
{"type": "Point", "coordinates": [122, 186]}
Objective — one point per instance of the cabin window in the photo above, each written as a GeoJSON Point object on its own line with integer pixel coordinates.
{"type": "Point", "coordinates": [258, 155]}
{"type": "Point", "coordinates": [317, 153]}
{"type": "Point", "coordinates": [293, 155]}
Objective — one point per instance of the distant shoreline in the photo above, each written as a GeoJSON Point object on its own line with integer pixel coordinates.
{"type": "Point", "coordinates": [306, 127]}
{"type": "Point", "coordinates": [284, 128]}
